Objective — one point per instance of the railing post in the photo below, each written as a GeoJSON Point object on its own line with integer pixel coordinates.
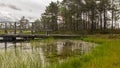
{"type": "Point", "coordinates": [20, 27]}
{"type": "Point", "coordinates": [47, 33]}
{"type": "Point", "coordinates": [32, 28]}
{"type": "Point", "coordinates": [15, 28]}
{"type": "Point", "coordinates": [5, 28]}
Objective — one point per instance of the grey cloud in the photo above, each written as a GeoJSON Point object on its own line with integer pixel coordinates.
{"type": "Point", "coordinates": [14, 7]}
{"type": "Point", "coordinates": [10, 6]}
{"type": "Point", "coordinates": [2, 5]}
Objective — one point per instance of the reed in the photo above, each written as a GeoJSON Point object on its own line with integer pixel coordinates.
{"type": "Point", "coordinates": [20, 59]}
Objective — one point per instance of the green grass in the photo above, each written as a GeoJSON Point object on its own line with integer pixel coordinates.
{"type": "Point", "coordinates": [105, 55]}
{"type": "Point", "coordinates": [43, 40]}
{"type": "Point", "coordinates": [23, 32]}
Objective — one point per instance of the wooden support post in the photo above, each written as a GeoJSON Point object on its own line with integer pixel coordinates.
{"type": "Point", "coordinates": [5, 28]}
{"type": "Point", "coordinates": [15, 48]}
{"type": "Point", "coordinates": [5, 47]}
{"type": "Point", "coordinates": [20, 27]}
{"type": "Point", "coordinates": [47, 33]}
{"type": "Point", "coordinates": [46, 30]}
{"type": "Point", "coordinates": [32, 28]}
{"type": "Point", "coordinates": [15, 28]}
{"type": "Point", "coordinates": [13, 38]}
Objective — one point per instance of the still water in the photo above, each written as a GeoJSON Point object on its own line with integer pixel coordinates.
{"type": "Point", "coordinates": [49, 52]}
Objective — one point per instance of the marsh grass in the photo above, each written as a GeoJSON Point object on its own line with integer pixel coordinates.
{"type": "Point", "coordinates": [104, 56]}
{"type": "Point", "coordinates": [19, 59]}
{"type": "Point", "coordinates": [45, 40]}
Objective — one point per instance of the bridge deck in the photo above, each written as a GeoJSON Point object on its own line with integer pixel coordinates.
{"type": "Point", "coordinates": [36, 35]}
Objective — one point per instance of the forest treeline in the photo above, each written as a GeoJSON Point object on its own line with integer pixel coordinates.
{"type": "Point", "coordinates": [82, 16]}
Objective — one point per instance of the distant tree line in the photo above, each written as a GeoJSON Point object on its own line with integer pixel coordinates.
{"type": "Point", "coordinates": [90, 16]}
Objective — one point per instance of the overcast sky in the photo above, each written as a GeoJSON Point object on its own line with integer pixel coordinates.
{"type": "Point", "coordinates": [28, 8]}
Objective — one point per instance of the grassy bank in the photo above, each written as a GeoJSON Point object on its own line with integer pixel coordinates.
{"type": "Point", "coordinates": [105, 55]}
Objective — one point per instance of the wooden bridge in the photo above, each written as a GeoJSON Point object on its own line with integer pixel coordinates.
{"type": "Point", "coordinates": [14, 35]}
{"type": "Point", "coordinates": [16, 26]}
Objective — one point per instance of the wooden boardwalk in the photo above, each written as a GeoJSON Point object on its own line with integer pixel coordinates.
{"type": "Point", "coordinates": [31, 36]}
{"type": "Point", "coordinates": [7, 36]}
{"type": "Point", "coordinates": [37, 35]}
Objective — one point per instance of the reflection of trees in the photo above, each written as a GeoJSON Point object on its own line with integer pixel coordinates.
{"type": "Point", "coordinates": [50, 52]}
{"type": "Point", "coordinates": [70, 49]}
{"type": "Point", "coordinates": [67, 49]}
{"type": "Point", "coordinates": [54, 55]}
{"type": "Point", "coordinates": [62, 50]}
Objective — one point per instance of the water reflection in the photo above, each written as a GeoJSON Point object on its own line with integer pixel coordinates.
{"type": "Point", "coordinates": [50, 52]}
